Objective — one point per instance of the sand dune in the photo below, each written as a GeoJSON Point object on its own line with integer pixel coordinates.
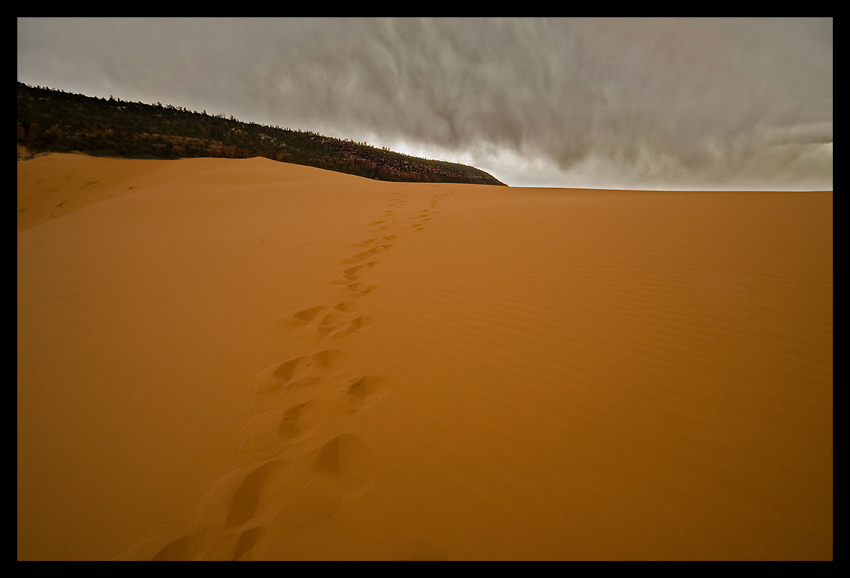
{"type": "Point", "coordinates": [244, 359]}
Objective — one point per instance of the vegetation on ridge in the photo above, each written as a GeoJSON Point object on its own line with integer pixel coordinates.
{"type": "Point", "coordinates": [51, 120]}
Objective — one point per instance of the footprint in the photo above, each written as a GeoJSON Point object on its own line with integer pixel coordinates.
{"type": "Point", "coordinates": [347, 463]}
{"type": "Point", "coordinates": [307, 315]}
{"type": "Point", "coordinates": [243, 499]}
{"type": "Point", "coordinates": [359, 324]}
{"type": "Point", "coordinates": [321, 321]}
{"type": "Point", "coordinates": [182, 549]}
{"type": "Point", "coordinates": [300, 371]}
{"type": "Point", "coordinates": [154, 543]}
{"type": "Point", "coordinates": [251, 503]}
{"type": "Point", "coordinates": [298, 422]}
{"type": "Point", "coordinates": [347, 307]}
{"type": "Point", "coordinates": [270, 433]}
{"type": "Point", "coordinates": [360, 289]}
{"type": "Point", "coordinates": [330, 362]}
{"type": "Point", "coordinates": [227, 521]}
{"type": "Point", "coordinates": [344, 466]}
{"type": "Point", "coordinates": [353, 272]}
{"type": "Point", "coordinates": [278, 376]}
{"type": "Point", "coordinates": [252, 545]}
{"type": "Point", "coordinates": [357, 257]}
{"type": "Point", "coordinates": [342, 321]}
{"type": "Point", "coordinates": [340, 312]}
{"type": "Point", "coordinates": [390, 237]}
{"type": "Point", "coordinates": [283, 324]}
{"type": "Point", "coordinates": [364, 391]}
{"type": "Point", "coordinates": [365, 243]}
{"type": "Point", "coordinates": [330, 324]}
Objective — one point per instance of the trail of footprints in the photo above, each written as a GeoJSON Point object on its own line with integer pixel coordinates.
{"type": "Point", "coordinates": [307, 461]}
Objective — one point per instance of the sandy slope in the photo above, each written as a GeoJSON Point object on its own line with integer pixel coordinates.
{"type": "Point", "coordinates": [248, 359]}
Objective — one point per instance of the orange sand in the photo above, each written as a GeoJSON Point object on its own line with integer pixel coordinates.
{"type": "Point", "coordinates": [248, 359]}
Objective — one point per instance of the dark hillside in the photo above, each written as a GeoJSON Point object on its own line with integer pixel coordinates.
{"type": "Point", "coordinates": [54, 121]}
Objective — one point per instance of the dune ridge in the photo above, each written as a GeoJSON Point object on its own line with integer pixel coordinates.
{"type": "Point", "coordinates": [242, 359]}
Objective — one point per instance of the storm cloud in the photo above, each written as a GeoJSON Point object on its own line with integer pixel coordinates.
{"type": "Point", "coordinates": [621, 103]}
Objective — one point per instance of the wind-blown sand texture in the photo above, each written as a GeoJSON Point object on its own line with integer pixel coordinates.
{"type": "Point", "coordinates": [245, 359]}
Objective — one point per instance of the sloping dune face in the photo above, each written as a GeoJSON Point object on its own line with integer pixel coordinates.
{"type": "Point", "coordinates": [244, 360]}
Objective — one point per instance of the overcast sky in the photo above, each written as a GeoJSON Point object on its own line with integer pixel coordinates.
{"type": "Point", "coordinates": [605, 103]}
